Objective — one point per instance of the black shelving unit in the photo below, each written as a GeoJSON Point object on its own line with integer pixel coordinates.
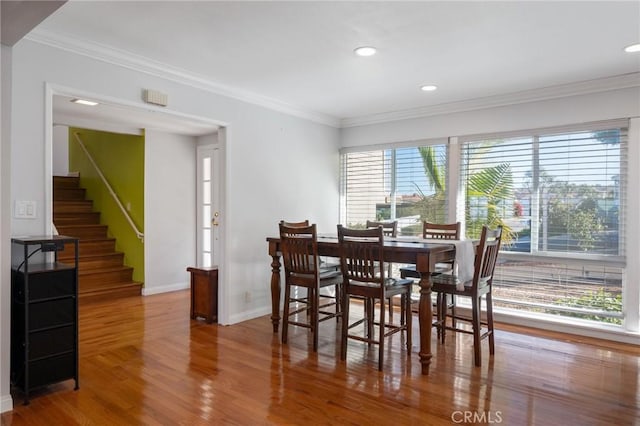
{"type": "Point", "coordinates": [44, 313]}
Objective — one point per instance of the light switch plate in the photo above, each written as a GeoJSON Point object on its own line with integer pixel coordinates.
{"type": "Point", "coordinates": [25, 210]}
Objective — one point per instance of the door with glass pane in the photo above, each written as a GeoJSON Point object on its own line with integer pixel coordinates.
{"type": "Point", "coordinates": [208, 199]}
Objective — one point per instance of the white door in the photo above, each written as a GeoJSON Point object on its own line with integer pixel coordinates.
{"type": "Point", "coordinates": [208, 199]}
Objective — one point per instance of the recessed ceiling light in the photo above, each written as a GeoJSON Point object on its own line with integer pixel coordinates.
{"type": "Point", "coordinates": [633, 48]}
{"type": "Point", "coordinates": [365, 51]}
{"type": "Point", "coordinates": [84, 102]}
{"type": "Point", "coordinates": [428, 88]}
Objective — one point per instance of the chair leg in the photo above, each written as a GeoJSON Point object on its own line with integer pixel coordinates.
{"type": "Point", "coordinates": [408, 321]}
{"type": "Point", "coordinates": [371, 318]}
{"type": "Point", "coordinates": [285, 313]}
{"type": "Point", "coordinates": [438, 323]}
{"type": "Point", "coordinates": [314, 294]}
{"type": "Point", "coordinates": [475, 311]}
{"type": "Point", "coordinates": [453, 310]}
{"type": "Point", "coordinates": [442, 315]}
{"type": "Point", "coordinates": [345, 326]}
{"type": "Point", "coordinates": [338, 303]}
{"type": "Point", "coordinates": [403, 307]}
{"type": "Point", "coordinates": [381, 335]}
{"type": "Point", "coordinates": [490, 323]}
{"type": "Point", "coordinates": [390, 300]}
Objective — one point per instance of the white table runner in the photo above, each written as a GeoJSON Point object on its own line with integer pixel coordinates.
{"type": "Point", "coordinates": [465, 256]}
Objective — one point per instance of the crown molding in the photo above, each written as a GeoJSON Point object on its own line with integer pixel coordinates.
{"type": "Point", "coordinates": [149, 66]}
{"type": "Point", "coordinates": [146, 65]}
{"type": "Point", "coordinates": [552, 92]}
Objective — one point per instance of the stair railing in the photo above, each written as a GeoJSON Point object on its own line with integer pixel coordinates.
{"type": "Point", "coordinates": [139, 234]}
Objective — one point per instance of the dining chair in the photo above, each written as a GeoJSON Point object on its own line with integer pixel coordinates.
{"type": "Point", "coordinates": [364, 276]}
{"type": "Point", "coordinates": [325, 265]}
{"type": "Point", "coordinates": [479, 286]}
{"type": "Point", "coordinates": [299, 247]}
{"type": "Point", "coordinates": [437, 231]}
{"type": "Point", "coordinates": [389, 229]}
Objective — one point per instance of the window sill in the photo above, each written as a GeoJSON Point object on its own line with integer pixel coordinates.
{"type": "Point", "coordinates": [562, 324]}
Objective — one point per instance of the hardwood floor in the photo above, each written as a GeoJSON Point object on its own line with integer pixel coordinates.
{"type": "Point", "coordinates": [144, 362]}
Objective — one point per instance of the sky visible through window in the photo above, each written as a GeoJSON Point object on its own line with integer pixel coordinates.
{"type": "Point", "coordinates": [578, 158]}
{"type": "Point", "coordinates": [410, 173]}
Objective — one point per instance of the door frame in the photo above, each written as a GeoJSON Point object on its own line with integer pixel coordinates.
{"type": "Point", "coordinates": [47, 209]}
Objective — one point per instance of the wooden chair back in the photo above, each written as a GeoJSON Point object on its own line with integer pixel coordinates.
{"type": "Point", "coordinates": [361, 255]}
{"type": "Point", "coordinates": [444, 231]}
{"type": "Point", "coordinates": [299, 246]}
{"type": "Point", "coordinates": [295, 224]}
{"type": "Point", "coordinates": [325, 265]}
{"type": "Point", "coordinates": [390, 229]}
{"type": "Point", "coordinates": [486, 256]}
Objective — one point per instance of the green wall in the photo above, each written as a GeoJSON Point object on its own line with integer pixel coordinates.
{"type": "Point", "coordinates": [121, 159]}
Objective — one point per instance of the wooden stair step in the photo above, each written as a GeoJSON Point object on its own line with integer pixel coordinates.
{"type": "Point", "coordinates": [76, 218]}
{"type": "Point", "coordinates": [66, 182]}
{"type": "Point", "coordinates": [98, 277]}
{"type": "Point", "coordinates": [88, 247]}
{"type": "Point", "coordinates": [72, 206]}
{"type": "Point", "coordinates": [97, 261]}
{"type": "Point", "coordinates": [83, 231]}
{"type": "Point", "coordinates": [111, 292]}
{"type": "Point", "coordinates": [101, 272]}
{"type": "Point", "coordinates": [68, 193]}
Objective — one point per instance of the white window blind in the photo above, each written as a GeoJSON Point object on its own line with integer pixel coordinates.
{"type": "Point", "coordinates": [557, 192]}
{"type": "Point", "coordinates": [406, 184]}
{"type": "Point", "coordinates": [560, 196]}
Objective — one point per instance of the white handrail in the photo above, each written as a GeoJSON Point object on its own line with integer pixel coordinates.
{"type": "Point", "coordinates": [139, 234]}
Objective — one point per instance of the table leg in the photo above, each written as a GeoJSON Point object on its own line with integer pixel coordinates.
{"type": "Point", "coordinates": [275, 292]}
{"type": "Point", "coordinates": [424, 316]}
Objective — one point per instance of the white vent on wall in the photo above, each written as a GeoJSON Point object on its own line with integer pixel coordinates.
{"type": "Point", "coordinates": [155, 97]}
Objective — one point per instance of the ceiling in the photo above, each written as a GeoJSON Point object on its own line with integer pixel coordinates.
{"type": "Point", "coordinates": [20, 17]}
{"type": "Point", "coordinates": [301, 53]}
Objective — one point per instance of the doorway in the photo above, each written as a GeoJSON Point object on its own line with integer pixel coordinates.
{"type": "Point", "coordinates": [208, 205]}
{"type": "Point", "coordinates": [112, 115]}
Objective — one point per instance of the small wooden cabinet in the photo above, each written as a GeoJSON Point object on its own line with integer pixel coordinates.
{"type": "Point", "coordinates": [44, 313]}
{"type": "Point", "coordinates": [204, 293]}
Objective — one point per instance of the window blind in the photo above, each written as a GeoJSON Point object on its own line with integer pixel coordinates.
{"type": "Point", "coordinates": [560, 196]}
{"type": "Point", "coordinates": [406, 184]}
{"type": "Point", "coordinates": [560, 192]}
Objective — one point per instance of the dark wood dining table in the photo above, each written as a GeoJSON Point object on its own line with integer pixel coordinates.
{"type": "Point", "coordinates": [422, 254]}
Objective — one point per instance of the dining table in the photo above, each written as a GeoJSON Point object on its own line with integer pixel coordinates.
{"type": "Point", "coordinates": [424, 254]}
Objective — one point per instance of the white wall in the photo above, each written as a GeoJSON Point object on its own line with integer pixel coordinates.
{"type": "Point", "coordinates": [170, 188]}
{"type": "Point", "coordinates": [555, 112]}
{"type": "Point", "coordinates": [5, 223]}
{"type": "Point", "coordinates": [259, 143]}
{"type": "Point", "coordinates": [60, 150]}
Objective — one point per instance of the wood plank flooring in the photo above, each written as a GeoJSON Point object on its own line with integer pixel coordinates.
{"type": "Point", "coordinates": [144, 362]}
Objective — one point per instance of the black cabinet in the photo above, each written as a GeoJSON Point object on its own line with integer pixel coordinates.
{"type": "Point", "coordinates": [44, 313]}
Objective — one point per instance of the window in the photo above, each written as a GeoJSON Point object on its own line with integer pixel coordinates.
{"type": "Point", "coordinates": [403, 184]}
{"type": "Point", "coordinates": [557, 195]}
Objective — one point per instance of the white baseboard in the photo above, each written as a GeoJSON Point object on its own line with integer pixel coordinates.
{"type": "Point", "coordinates": [6, 403]}
{"type": "Point", "coordinates": [247, 315]}
{"type": "Point", "coordinates": [148, 291]}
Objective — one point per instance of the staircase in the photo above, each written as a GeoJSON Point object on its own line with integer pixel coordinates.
{"type": "Point", "coordinates": [102, 273]}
